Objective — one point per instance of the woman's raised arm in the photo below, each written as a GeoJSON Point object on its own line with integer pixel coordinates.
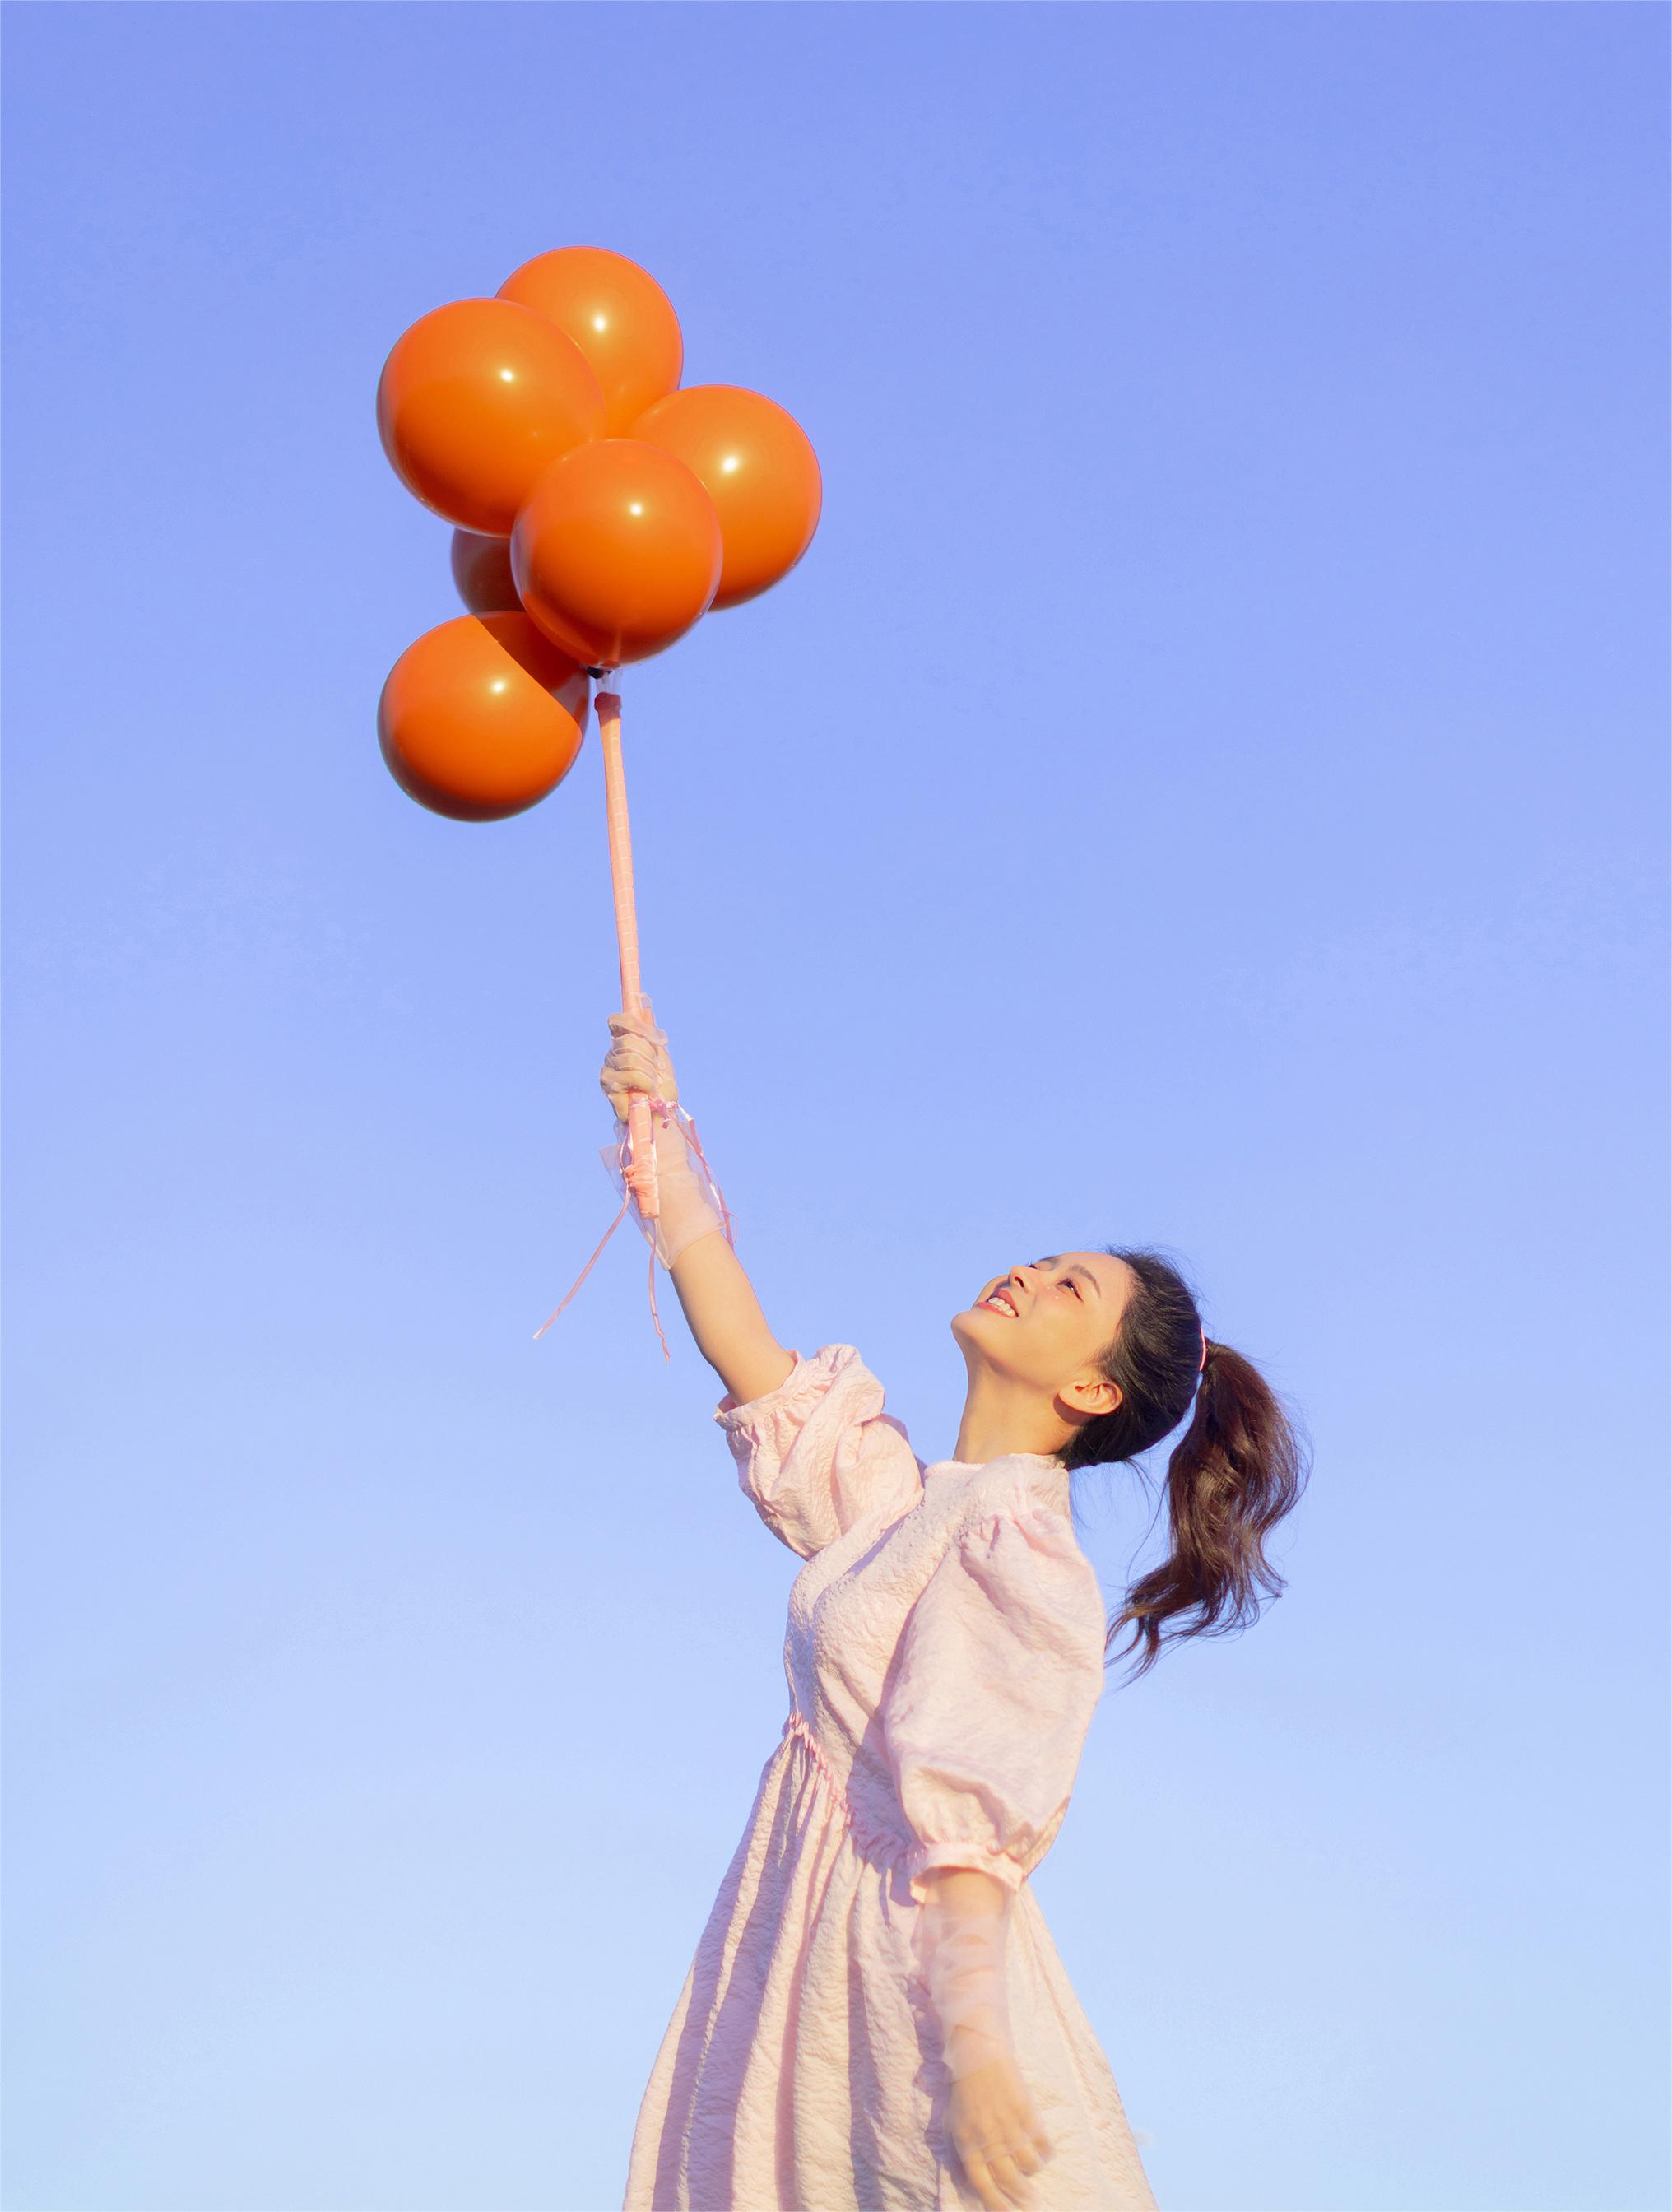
{"type": "Point", "coordinates": [726, 1320]}
{"type": "Point", "coordinates": [717, 1297]}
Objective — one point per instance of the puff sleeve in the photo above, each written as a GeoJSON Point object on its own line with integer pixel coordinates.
{"type": "Point", "coordinates": [818, 1454]}
{"type": "Point", "coordinates": [998, 1673]}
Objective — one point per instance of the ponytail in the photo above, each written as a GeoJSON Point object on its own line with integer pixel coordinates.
{"type": "Point", "coordinates": [1240, 1466]}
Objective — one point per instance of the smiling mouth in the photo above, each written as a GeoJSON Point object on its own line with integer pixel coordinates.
{"type": "Point", "coordinates": [999, 1301]}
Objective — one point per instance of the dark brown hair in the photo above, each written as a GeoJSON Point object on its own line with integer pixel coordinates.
{"type": "Point", "coordinates": [1239, 1468]}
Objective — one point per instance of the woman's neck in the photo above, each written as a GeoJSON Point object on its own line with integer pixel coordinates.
{"type": "Point", "coordinates": [999, 1417]}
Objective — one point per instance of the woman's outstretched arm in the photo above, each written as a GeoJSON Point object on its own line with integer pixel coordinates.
{"type": "Point", "coordinates": [726, 1320]}
{"type": "Point", "coordinates": [717, 1297]}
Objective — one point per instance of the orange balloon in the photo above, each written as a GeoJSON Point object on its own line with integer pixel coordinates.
{"type": "Point", "coordinates": [482, 717]}
{"type": "Point", "coordinates": [617, 553]}
{"type": "Point", "coordinates": [617, 313]}
{"type": "Point", "coordinates": [757, 465]}
{"type": "Point", "coordinates": [476, 400]}
{"type": "Point", "coordinates": [482, 570]}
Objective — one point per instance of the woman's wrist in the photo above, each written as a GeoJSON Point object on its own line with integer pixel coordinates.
{"type": "Point", "coordinates": [687, 1200]}
{"type": "Point", "coordinates": [963, 1928]}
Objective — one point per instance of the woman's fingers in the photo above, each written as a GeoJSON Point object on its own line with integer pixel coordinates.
{"type": "Point", "coordinates": [637, 1059]}
{"type": "Point", "coordinates": [1001, 2164]}
{"type": "Point", "coordinates": [1007, 2171]}
{"type": "Point", "coordinates": [1002, 2167]}
{"type": "Point", "coordinates": [633, 1055]}
{"type": "Point", "coordinates": [1029, 2129]}
{"type": "Point", "coordinates": [998, 2136]}
{"type": "Point", "coordinates": [982, 2182]}
{"type": "Point", "coordinates": [634, 1059]}
{"type": "Point", "coordinates": [620, 1081]}
{"type": "Point", "coordinates": [998, 2182]}
{"type": "Point", "coordinates": [622, 1072]}
{"type": "Point", "coordinates": [625, 1025]}
{"type": "Point", "coordinates": [624, 1067]}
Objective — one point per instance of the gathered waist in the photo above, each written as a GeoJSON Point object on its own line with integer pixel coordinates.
{"type": "Point", "coordinates": [881, 1844]}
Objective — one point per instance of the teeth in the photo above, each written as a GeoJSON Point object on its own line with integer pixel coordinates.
{"type": "Point", "coordinates": [999, 1305]}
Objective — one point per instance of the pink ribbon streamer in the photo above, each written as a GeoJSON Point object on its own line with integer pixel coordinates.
{"type": "Point", "coordinates": [666, 1111]}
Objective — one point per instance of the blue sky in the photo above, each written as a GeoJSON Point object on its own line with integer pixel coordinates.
{"type": "Point", "coordinates": [1204, 784]}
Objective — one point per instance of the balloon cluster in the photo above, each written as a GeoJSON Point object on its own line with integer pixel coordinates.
{"type": "Point", "coordinates": [600, 512]}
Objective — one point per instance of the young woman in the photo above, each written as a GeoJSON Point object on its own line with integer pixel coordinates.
{"type": "Point", "coordinates": [877, 2019]}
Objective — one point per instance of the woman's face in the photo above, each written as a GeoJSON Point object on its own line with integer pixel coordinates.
{"type": "Point", "coordinates": [1044, 1324]}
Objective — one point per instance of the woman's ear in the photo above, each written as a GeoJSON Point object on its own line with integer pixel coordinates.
{"type": "Point", "coordinates": [1093, 1397]}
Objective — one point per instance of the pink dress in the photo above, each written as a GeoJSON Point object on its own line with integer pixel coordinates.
{"type": "Point", "coordinates": [945, 1652]}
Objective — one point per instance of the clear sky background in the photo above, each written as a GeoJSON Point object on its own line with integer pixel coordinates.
{"type": "Point", "coordinates": [1204, 784]}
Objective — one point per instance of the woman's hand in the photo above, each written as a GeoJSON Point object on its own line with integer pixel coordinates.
{"type": "Point", "coordinates": [637, 1060]}
{"type": "Point", "coordinates": [997, 2135]}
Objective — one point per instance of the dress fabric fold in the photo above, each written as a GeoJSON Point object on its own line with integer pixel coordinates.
{"type": "Point", "coordinates": [944, 1653]}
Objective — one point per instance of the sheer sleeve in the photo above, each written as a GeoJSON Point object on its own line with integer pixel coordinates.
{"type": "Point", "coordinates": [998, 1673]}
{"type": "Point", "coordinates": [818, 1453]}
